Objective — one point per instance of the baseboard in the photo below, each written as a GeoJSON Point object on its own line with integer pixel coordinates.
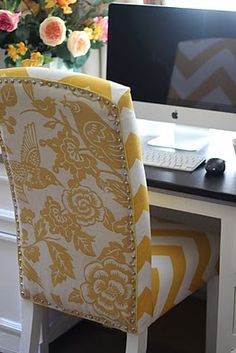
{"type": "Point", "coordinates": [10, 326]}
{"type": "Point", "coordinates": [9, 336]}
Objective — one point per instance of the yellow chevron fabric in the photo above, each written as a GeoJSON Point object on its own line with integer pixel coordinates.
{"type": "Point", "coordinates": [200, 65]}
{"type": "Point", "coordinates": [183, 258]}
{"type": "Point", "coordinates": [74, 161]}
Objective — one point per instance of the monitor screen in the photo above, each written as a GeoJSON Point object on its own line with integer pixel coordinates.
{"type": "Point", "coordinates": [180, 63]}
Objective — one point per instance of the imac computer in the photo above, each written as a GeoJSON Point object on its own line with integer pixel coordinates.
{"type": "Point", "coordinates": [180, 65]}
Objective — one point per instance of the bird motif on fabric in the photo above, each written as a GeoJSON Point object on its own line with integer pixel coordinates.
{"type": "Point", "coordinates": [98, 136]}
{"type": "Point", "coordinates": [28, 172]}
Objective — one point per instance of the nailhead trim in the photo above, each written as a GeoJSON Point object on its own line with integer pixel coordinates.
{"type": "Point", "coordinates": [115, 114]}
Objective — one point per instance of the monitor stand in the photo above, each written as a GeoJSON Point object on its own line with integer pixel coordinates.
{"type": "Point", "coordinates": [181, 137]}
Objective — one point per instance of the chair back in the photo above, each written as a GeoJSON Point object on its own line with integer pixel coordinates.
{"type": "Point", "coordinates": [73, 157]}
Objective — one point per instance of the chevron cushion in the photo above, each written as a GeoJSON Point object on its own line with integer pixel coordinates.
{"type": "Point", "coordinates": [183, 259]}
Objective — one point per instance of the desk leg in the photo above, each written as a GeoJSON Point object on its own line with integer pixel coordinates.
{"type": "Point", "coordinates": [226, 325]}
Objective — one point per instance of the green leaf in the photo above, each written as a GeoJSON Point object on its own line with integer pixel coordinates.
{"type": "Point", "coordinates": [96, 45]}
{"type": "Point", "coordinates": [15, 5]}
{"type": "Point", "coordinates": [62, 52]}
{"type": "Point", "coordinates": [47, 59]}
{"type": "Point", "coordinates": [81, 60]}
{"type": "Point", "coordinates": [96, 3]}
{"type": "Point", "coordinates": [9, 62]}
{"type": "Point", "coordinates": [22, 34]}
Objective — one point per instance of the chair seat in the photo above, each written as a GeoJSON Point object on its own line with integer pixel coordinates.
{"type": "Point", "coordinates": [183, 260]}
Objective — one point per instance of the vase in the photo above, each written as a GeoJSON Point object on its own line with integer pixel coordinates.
{"type": "Point", "coordinates": [91, 67]}
{"type": "Point", "coordinates": [94, 66]}
{"type": "Point", "coordinates": [96, 63]}
{"type": "Point", "coordinates": [57, 63]}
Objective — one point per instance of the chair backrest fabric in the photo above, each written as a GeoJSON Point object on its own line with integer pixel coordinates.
{"type": "Point", "coordinates": [73, 157]}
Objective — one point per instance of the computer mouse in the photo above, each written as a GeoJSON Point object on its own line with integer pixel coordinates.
{"type": "Point", "coordinates": [215, 166]}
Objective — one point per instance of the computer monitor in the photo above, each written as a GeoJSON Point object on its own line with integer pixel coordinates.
{"type": "Point", "coordinates": [180, 63]}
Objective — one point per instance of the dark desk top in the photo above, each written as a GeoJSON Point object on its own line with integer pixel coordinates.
{"type": "Point", "coordinates": [198, 182]}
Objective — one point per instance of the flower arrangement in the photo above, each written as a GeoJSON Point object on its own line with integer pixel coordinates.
{"type": "Point", "coordinates": [33, 32]}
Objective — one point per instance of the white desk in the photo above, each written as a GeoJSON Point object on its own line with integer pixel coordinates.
{"type": "Point", "coordinates": [226, 325]}
{"type": "Point", "coordinates": [212, 197]}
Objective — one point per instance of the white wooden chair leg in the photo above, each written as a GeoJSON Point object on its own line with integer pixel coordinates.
{"type": "Point", "coordinates": [31, 321]}
{"type": "Point", "coordinates": [211, 314]}
{"type": "Point", "coordinates": [44, 330]}
{"type": "Point", "coordinates": [136, 343]}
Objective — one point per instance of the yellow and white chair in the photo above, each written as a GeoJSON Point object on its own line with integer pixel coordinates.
{"type": "Point", "coordinates": [78, 185]}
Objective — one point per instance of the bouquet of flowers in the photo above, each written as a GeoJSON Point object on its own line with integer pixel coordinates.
{"type": "Point", "coordinates": [33, 32]}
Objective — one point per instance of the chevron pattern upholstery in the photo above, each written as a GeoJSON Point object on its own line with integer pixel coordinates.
{"type": "Point", "coordinates": [74, 162]}
{"type": "Point", "coordinates": [200, 65]}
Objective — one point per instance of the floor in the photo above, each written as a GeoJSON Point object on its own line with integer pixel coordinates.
{"type": "Point", "coordinates": [182, 330]}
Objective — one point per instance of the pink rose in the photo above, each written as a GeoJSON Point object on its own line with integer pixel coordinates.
{"type": "Point", "coordinates": [52, 31]}
{"type": "Point", "coordinates": [9, 20]}
{"type": "Point", "coordinates": [78, 43]}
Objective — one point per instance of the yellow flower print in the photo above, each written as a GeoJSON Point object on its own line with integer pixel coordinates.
{"type": "Point", "coordinates": [69, 157]}
{"type": "Point", "coordinates": [85, 204]}
{"type": "Point", "coordinates": [59, 220]}
{"type": "Point", "coordinates": [24, 235]}
{"type": "Point", "coordinates": [27, 216]}
{"type": "Point", "coordinates": [32, 253]}
{"type": "Point", "coordinates": [108, 289]}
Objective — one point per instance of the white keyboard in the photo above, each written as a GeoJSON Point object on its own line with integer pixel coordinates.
{"type": "Point", "coordinates": [178, 160]}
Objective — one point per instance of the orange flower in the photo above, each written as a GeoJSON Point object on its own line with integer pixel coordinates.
{"type": "Point", "coordinates": [64, 4]}
{"type": "Point", "coordinates": [78, 43]}
{"type": "Point", "coordinates": [52, 31]}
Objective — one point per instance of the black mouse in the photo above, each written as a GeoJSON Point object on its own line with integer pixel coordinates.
{"type": "Point", "coordinates": [215, 166]}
